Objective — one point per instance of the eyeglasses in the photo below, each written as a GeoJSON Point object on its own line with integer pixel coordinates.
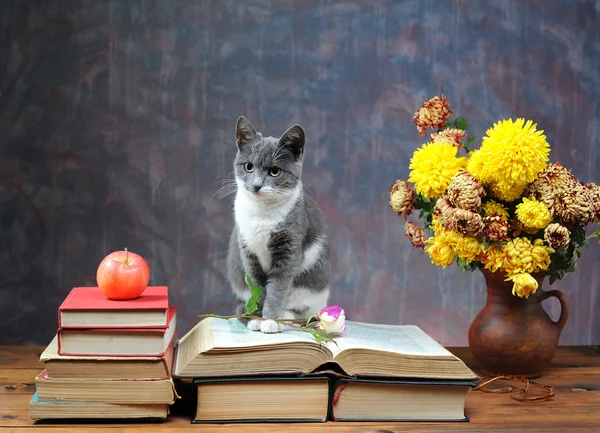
{"type": "Point", "coordinates": [517, 393]}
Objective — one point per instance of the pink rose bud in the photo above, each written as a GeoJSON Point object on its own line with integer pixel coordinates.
{"type": "Point", "coordinates": [332, 319]}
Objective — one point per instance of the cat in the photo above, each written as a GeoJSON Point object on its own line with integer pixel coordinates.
{"type": "Point", "coordinates": [279, 238]}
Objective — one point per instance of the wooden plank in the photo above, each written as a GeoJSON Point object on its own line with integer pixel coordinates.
{"type": "Point", "coordinates": [18, 374]}
{"type": "Point", "coordinates": [566, 356]}
{"type": "Point", "coordinates": [21, 357]}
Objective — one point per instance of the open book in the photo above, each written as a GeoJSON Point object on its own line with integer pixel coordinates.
{"type": "Point", "coordinates": [218, 347]}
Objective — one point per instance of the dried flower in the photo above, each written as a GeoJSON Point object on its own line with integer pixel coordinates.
{"type": "Point", "coordinates": [558, 176]}
{"type": "Point", "coordinates": [552, 181]}
{"type": "Point", "coordinates": [402, 198]}
{"type": "Point", "coordinates": [533, 214]}
{"type": "Point", "coordinates": [466, 222]}
{"type": "Point", "coordinates": [523, 284]}
{"type": "Point", "coordinates": [465, 192]}
{"type": "Point", "coordinates": [574, 207]}
{"type": "Point", "coordinates": [450, 135]}
{"type": "Point", "coordinates": [332, 319]}
{"type": "Point", "coordinates": [495, 228]}
{"type": "Point", "coordinates": [434, 113]}
{"type": "Point", "coordinates": [433, 166]}
{"type": "Point", "coordinates": [557, 236]}
{"type": "Point", "coordinates": [444, 211]}
{"type": "Point", "coordinates": [415, 235]}
{"type": "Point", "coordinates": [594, 192]}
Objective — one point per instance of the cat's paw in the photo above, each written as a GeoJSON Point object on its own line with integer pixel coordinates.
{"type": "Point", "coordinates": [254, 325]}
{"type": "Point", "coordinates": [270, 327]}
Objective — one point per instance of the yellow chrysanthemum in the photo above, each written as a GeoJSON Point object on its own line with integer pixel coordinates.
{"type": "Point", "coordinates": [493, 258]}
{"type": "Point", "coordinates": [441, 248]}
{"type": "Point", "coordinates": [441, 254]}
{"type": "Point", "coordinates": [476, 165]}
{"type": "Point", "coordinates": [533, 214]}
{"type": "Point", "coordinates": [494, 208]}
{"type": "Point", "coordinates": [506, 191]}
{"type": "Point", "coordinates": [524, 257]}
{"type": "Point", "coordinates": [468, 248]}
{"type": "Point", "coordinates": [436, 225]}
{"type": "Point", "coordinates": [523, 284]}
{"type": "Point", "coordinates": [511, 156]}
{"type": "Point", "coordinates": [517, 256]}
{"type": "Point", "coordinates": [540, 254]}
{"type": "Point", "coordinates": [432, 168]}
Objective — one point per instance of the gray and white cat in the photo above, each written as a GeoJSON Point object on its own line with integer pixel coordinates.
{"type": "Point", "coordinates": [279, 238]}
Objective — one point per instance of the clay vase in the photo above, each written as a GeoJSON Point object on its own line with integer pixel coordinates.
{"type": "Point", "coordinates": [513, 335]}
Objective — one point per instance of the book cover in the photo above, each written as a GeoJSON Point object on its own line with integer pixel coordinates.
{"type": "Point", "coordinates": [123, 391]}
{"type": "Point", "coordinates": [87, 307]}
{"type": "Point", "coordinates": [39, 410]}
{"type": "Point", "coordinates": [394, 399]}
{"type": "Point", "coordinates": [109, 342]}
{"type": "Point", "coordinates": [275, 399]}
{"type": "Point", "coordinates": [108, 367]}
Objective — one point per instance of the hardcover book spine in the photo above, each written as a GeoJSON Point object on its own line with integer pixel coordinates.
{"type": "Point", "coordinates": [60, 309]}
{"type": "Point", "coordinates": [61, 352]}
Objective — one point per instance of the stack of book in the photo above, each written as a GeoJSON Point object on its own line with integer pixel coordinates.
{"type": "Point", "coordinates": [374, 373]}
{"type": "Point", "coordinates": [109, 359]}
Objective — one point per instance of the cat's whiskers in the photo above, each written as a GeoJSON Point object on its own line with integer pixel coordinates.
{"type": "Point", "coordinates": [229, 187]}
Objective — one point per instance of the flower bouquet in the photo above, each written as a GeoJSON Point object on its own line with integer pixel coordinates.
{"type": "Point", "coordinates": [501, 207]}
{"type": "Point", "coordinates": [505, 210]}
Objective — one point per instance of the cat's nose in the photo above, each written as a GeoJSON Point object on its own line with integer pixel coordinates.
{"type": "Point", "coordinates": [257, 188]}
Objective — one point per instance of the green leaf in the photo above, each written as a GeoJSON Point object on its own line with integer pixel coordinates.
{"type": "Point", "coordinates": [321, 336]}
{"type": "Point", "coordinates": [462, 263]}
{"type": "Point", "coordinates": [461, 123]}
{"type": "Point", "coordinates": [471, 139]}
{"type": "Point", "coordinates": [255, 295]}
{"type": "Point", "coordinates": [426, 208]}
{"type": "Point", "coordinates": [464, 266]}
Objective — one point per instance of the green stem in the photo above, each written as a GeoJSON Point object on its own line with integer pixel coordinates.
{"type": "Point", "coordinates": [287, 322]}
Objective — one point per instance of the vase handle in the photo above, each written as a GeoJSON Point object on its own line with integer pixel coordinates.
{"type": "Point", "coordinates": [564, 306]}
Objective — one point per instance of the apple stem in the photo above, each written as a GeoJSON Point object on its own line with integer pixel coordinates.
{"type": "Point", "coordinates": [126, 256]}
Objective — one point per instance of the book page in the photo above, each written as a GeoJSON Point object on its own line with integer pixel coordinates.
{"type": "Point", "coordinates": [407, 339]}
{"type": "Point", "coordinates": [232, 333]}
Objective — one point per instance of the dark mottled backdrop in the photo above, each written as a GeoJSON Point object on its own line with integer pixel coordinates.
{"type": "Point", "coordinates": [117, 123]}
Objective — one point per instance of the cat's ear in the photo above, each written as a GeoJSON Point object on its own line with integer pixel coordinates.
{"type": "Point", "coordinates": [244, 132]}
{"type": "Point", "coordinates": [293, 139]}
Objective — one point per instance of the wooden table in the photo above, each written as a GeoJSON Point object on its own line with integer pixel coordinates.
{"type": "Point", "coordinates": [575, 375]}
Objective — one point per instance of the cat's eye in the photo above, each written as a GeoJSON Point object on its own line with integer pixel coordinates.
{"type": "Point", "coordinates": [249, 167]}
{"type": "Point", "coordinates": [274, 171]}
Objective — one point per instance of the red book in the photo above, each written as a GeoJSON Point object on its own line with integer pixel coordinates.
{"type": "Point", "coordinates": [87, 307]}
{"type": "Point", "coordinates": [102, 342]}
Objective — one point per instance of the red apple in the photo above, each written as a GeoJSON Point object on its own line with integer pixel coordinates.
{"type": "Point", "coordinates": [123, 275]}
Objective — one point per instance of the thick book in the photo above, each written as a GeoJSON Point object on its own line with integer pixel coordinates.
{"type": "Point", "coordinates": [107, 367]}
{"type": "Point", "coordinates": [39, 410]}
{"type": "Point", "coordinates": [101, 342]}
{"type": "Point", "coordinates": [264, 399]}
{"type": "Point", "coordinates": [399, 400]}
{"type": "Point", "coordinates": [160, 391]}
{"type": "Point", "coordinates": [219, 347]}
{"type": "Point", "coordinates": [87, 307]}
